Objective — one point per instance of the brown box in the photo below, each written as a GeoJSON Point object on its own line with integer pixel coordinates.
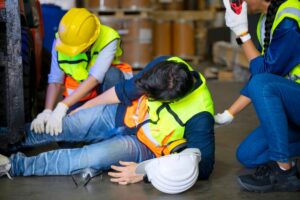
{"type": "Point", "coordinates": [225, 75]}
{"type": "Point", "coordinates": [228, 54]}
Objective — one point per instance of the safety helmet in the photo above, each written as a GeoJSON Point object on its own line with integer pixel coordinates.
{"type": "Point", "coordinates": [173, 173]}
{"type": "Point", "coordinates": [78, 29]}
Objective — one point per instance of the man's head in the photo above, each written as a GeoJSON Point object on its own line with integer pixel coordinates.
{"type": "Point", "coordinates": [78, 30]}
{"type": "Point", "coordinates": [166, 81]}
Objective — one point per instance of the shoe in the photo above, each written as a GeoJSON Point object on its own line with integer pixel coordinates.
{"type": "Point", "coordinates": [4, 166]}
{"type": "Point", "coordinates": [269, 178]}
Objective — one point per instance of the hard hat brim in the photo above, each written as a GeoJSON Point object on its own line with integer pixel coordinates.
{"type": "Point", "coordinates": [141, 167]}
{"type": "Point", "coordinates": [67, 49]}
{"type": "Point", "coordinates": [73, 50]}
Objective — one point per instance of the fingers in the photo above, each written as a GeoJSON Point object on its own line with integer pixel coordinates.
{"type": "Point", "coordinates": [37, 126]}
{"type": "Point", "coordinates": [117, 178]}
{"type": "Point", "coordinates": [117, 168]}
{"type": "Point", "coordinates": [123, 183]}
{"type": "Point", "coordinates": [115, 174]}
{"type": "Point", "coordinates": [226, 4]}
{"type": "Point", "coordinates": [123, 178]}
{"type": "Point", "coordinates": [126, 163]}
{"type": "Point", "coordinates": [119, 181]}
{"type": "Point", "coordinates": [54, 127]}
{"type": "Point", "coordinates": [49, 128]}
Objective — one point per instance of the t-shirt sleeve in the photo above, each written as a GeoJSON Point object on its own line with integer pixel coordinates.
{"type": "Point", "coordinates": [282, 55]}
{"type": "Point", "coordinates": [56, 74]}
{"type": "Point", "coordinates": [104, 61]}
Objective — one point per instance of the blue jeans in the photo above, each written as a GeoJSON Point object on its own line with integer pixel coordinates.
{"type": "Point", "coordinates": [94, 125]}
{"type": "Point", "coordinates": [111, 78]}
{"type": "Point", "coordinates": [277, 104]}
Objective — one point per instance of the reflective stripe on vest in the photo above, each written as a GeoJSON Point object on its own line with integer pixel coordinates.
{"type": "Point", "coordinates": [161, 124]}
{"type": "Point", "coordinates": [289, 9]}
{"type": "Point", "coordinates": [71, 85]}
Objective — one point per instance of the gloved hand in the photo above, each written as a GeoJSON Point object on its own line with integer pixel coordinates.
{"type": "Point", "coordinates": [238, 23]}
{"type": "Point", "coordinates": [224, 118]}
{"type": "Point", "coordinates": [54, 124]}
{"type": "Point", "coordinates": [38, 124]}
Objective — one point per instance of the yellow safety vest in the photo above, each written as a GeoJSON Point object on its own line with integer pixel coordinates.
{"type": "Point", "coordinates": [289, 9]}
{"type": "Point", "coordinates": [78, 66]}
{"type": "Point", "coordinates": [162, 125]}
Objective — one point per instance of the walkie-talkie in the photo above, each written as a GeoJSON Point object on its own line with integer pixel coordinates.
{"type": "Point", "coordinates": [236, 6]}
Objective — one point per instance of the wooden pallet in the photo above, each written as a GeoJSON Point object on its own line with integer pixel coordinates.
{"type": "Point", "coordinates": [121, 13]}
{"type": "Point", "coordinates": [202, 15]}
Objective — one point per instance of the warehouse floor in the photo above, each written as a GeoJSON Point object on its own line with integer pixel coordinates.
{"type": "Point", "coordinates": [222, 184]}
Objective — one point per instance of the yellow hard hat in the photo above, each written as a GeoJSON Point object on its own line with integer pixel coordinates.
{"type": "Point", "coordinates": [78, 29]}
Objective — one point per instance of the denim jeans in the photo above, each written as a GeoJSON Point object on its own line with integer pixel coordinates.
{"type": "Point", "coordinates": [111, 78]}
{"type": "Point", "coordinates": [95, 125]}
{"type": "Point", "coordinates": [277, 104]}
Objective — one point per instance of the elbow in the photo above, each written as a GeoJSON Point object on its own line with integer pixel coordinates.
{"type": "Point", "coordinates": [57, 86]}
{"type": "Point", "coordinates": [206, 169]}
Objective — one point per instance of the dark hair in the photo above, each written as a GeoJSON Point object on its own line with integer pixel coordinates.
{"type": "Point", "coordinates": [166, 81]}
{"type": "Point", "coordinates": [271, 13]}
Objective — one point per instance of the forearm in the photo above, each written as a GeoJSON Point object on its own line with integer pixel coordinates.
{"type": "Point", "coordinates": [108, 97]}
{"type": "Point", "coordinates": [53, 90]}
{"type": "Point", "coordinates": [250, 50]}
{"type": "Point", "coordinates": [241, 103]}
{"type": "Point", "coordinates": [81, 91]}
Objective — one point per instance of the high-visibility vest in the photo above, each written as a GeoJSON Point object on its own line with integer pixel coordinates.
{"type": "Point", "coordinates": [77, 67]}
{"type": "Point", "coordinates": [161, 125]}
{"type": "Point", "coordinates": [288, 9]}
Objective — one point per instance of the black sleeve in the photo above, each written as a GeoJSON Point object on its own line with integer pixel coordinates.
{"type": "Point", "coordinates": [199, 133]}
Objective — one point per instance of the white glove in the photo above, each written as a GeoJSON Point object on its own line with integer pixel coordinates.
{"type": "Point", "coordinates": [238, 23]}
{"type": "Point", "coordinates": [38, 124]}
{"type": "Point", "coordinates": [54, 124]}
{"type": "Point", "coordinates": [224, 118]}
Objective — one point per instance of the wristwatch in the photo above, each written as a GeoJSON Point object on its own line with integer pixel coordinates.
{"type": "Point", "coordinates": [243, 38]}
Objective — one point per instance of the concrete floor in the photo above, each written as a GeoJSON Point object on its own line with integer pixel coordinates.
{"type": "Point", "coordinates": [222, 184]}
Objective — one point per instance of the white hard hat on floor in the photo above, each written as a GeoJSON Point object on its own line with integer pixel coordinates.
{"type": "Point", "coordinates": [173, 173]}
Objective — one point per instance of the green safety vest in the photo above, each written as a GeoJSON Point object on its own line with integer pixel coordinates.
{"type": "Point", "coordinates": [78, 66]}
{"type": "Point", "coordinates": [289, 9]}
{"type": "Point", "coordinates": [172, 117]}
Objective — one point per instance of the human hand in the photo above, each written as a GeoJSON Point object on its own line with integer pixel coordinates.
{"type": "Point", "coordinates": [238, 23]}
{"type": "Point", "coordinates": [125, 174]}
{"type": "Point", "coordinates": [54, 124]}
{"type": "Point", "coordinates": [223, 118]}
{"type": "Point", "coordinates": [38, 124]}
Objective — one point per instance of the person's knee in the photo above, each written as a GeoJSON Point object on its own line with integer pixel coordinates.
{"type": "Point", "coordinates": [261, 84]}
{"type": "Point", "coordinates": [114, 74]}
{"type": "Point", "coordinates": [243, 157]}
{"type": "Point", "coordinates": [257, 81]}
{"type": "Point", "coordinates": [112, 77]}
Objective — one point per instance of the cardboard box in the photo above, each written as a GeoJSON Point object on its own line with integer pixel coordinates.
{"type": "Point", "coordinates": [230, 55]}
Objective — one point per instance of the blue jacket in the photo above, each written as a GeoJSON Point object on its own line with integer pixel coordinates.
{"type": "Point", "coordinates": [283, 53]}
